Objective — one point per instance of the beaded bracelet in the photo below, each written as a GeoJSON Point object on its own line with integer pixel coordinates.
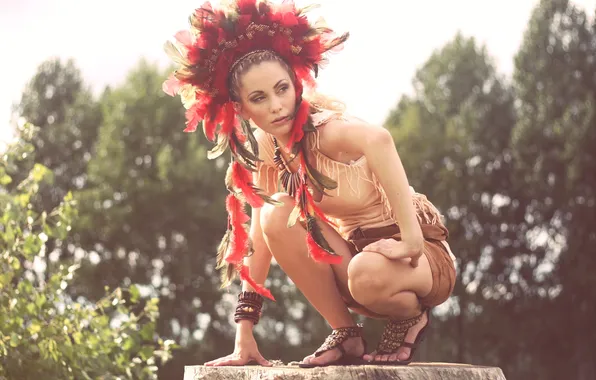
{"type": "Point", "coordinates": [249, 307]}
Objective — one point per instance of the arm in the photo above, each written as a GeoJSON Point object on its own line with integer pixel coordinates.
{"type": "Point", "coordinates": [258, 263]}
{"type": "Point", "coordinates": [376, 144]}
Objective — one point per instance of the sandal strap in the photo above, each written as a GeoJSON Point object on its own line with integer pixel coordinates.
{"type": "Point", "coordinates": [338, 337]}
{"type": "Point", "coordinates": [394, 334]}
{"type": "Point", "coordinates": [409, 345]}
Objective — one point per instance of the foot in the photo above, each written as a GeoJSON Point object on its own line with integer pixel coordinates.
{"type": "Point", "coordinates": [353, 346]}
{"type": "Point", "coordinates": [402, 353]}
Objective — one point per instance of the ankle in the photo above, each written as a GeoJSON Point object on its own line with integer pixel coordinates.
{"type": "Point", "coordinates": [354, 344]}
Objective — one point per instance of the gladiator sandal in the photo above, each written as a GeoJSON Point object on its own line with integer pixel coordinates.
{"type": "Point", "coordinates": [336, 340]}
{"type": "Point", "coordinates": [394, 336]}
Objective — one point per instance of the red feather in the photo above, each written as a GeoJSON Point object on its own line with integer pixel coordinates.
{"type": "Point", "coordinates": [171, 86]}
{"type": "Point", "coordinates": [244, 273]}
{"type": "Point", "coordinates": [209, 127]}
{"type": "Point", "coordinates": [193, 116]}
{"type": "Point", "coordinates": [242, 179]}
{"type": "Point", "coordinates": [239, 235]}
{"type": "Point", "coordinates": [314, 208]}
{"type": "Point", "coordinates": [185, 38]}
{"type": "Point", "coordinates": [228, 119]}
{"type": "Point", "coordinates": [319, 254]}
{"type": "Point", "coordinates": [299, 121]}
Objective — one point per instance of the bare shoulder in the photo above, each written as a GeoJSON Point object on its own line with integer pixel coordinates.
{"type": "Point", "coordinates": [348, 134]}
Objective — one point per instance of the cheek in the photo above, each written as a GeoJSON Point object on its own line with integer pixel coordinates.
{"type": "Point", "coordinates": [257, 112]}
{"type": "Point", "coordinates": [251, 109]}
{"type": "Point", "coordinates": [290, 99]}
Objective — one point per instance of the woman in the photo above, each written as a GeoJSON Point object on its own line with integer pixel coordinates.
{"type": "Point", "coordinates": [375, 246]}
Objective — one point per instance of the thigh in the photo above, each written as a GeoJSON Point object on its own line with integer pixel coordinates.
{"type": "Point", "coordinates": [383, 277]}
{"type": "Point", "coordinates": [391, 276]}
{"type": "Point", "coordinates": [341, 247]}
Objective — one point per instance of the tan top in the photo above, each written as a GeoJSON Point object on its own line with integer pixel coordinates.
{"type": "Point", "coordinates": [359, 200]}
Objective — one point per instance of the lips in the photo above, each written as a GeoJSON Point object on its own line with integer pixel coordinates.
{"type": "Point", "coordinates": [280, 119]}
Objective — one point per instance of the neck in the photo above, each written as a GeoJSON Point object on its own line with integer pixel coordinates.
{"type": "Point", "coordinates": [282, 141]}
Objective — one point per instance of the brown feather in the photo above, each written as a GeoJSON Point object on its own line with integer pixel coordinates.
{"type": "Point", "coordinates": [222, 144]}
{"type": "Point", "coordinates": [294, 215]}
{"type": "Point", "coordinates": [175, 54]}
{"type": "Point", "coordinates": [315, 231]}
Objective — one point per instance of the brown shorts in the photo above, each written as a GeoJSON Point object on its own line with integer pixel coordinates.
{"type": "Point", "coordinates": [439, 260]}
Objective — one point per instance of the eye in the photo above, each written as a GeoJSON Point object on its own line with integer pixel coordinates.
{"type": "Point", "coordinates": [283, 88]}
{"type": "Point", "coordinates": [257, 99]}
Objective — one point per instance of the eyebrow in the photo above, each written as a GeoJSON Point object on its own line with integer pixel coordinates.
{"type": "Point", "coordinates": [276, 86]}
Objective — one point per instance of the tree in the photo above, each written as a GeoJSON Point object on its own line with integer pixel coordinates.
{"type": "Point", "coordinates": [453, 136]}
{"type": "Point", "coordinates": [151, 213]}
{"type": "Point", "coordinates": [43, 331]}
{"type": "Point", "coordinates": [554, 147]}
{"type": "Point", "coordinates": [154, 213]}
{"type": "Point", "coordinates": [58, 102]}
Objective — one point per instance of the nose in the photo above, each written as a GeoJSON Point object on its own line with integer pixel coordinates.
{"type": "Point", "coordinates": [275, 105]}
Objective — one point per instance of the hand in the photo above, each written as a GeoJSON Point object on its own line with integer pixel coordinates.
{"type": "Point", "coordinates": [393, 249]}
{"type": "Point", "coordinates": [245, 351]}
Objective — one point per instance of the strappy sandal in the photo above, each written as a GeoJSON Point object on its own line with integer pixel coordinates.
{"type": "Point", "coordinates": [336, 340]}
{"type": "Point", "coordinates": [394, 336]}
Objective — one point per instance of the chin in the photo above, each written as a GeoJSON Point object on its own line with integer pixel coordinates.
{"type": "Point", "coordinates": [282, 129]}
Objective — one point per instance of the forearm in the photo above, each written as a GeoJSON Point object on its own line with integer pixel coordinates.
{"type": "Point", "coordinates": [260, 261]}
{"type": "Point", "coordinates": [387, 166]}
{"type": "Point", "coordinates": [258, 264]}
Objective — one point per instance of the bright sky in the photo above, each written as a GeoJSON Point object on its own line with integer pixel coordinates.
{"type": "Point", "coordinates": [389, 41]}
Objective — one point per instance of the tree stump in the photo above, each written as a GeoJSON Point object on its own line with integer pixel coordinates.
{"type": "Point", "coordinates": [414, 371]}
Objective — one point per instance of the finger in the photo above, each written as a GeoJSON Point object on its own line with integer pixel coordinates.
{"type": "Point", "coordinates": [262, 361]}
{"type": "Point", "coordinates": [216, 361]}
{"type": "Point", "coordinates": [231, 362]}
{"type": "Point", "coordinates": [371, 247]}
{"type": "Point", "coordinates": [377, 248]}
{"type": "Point", "coordinates": [226, 359]}
{"type": "Point", "coordinates": [414, 261]}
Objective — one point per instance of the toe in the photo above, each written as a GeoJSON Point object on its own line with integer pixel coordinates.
{"type": "Point", "coordinates": [326, 357]}
{"type": "Point", "coordinates": [403, 354]}
{"type": "Point", "coordinates": [370, 357]}
{"type": "Point", "coordinates": [307, 359]}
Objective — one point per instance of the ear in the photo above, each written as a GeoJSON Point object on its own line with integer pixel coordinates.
{"type": "Point", "coordinates": [240, 110]}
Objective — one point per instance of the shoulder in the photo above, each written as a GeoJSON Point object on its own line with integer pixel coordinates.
{"type": "Point", "coordinates": [348, 133]}
{"type": "Point", "coordinates": [323, 116]}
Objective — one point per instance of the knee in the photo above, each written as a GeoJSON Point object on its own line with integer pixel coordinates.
{"type": "Point", "coordinates": [274, 219]}
{"type": "Point", "coordinates": [365, 286]}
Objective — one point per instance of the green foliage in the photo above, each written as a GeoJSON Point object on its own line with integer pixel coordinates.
{"type": "Point", "coordinates": [44, 333]}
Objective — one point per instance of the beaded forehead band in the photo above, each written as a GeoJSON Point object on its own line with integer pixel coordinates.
{"type": "Point", "coordinates": [245, 56]}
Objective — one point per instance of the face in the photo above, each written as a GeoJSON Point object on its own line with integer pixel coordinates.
{"type": "Point", "coordinates": [268, 98]}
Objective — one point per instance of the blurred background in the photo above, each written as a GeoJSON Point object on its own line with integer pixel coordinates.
{"type": "Point", "coordinates": [111, 215]}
